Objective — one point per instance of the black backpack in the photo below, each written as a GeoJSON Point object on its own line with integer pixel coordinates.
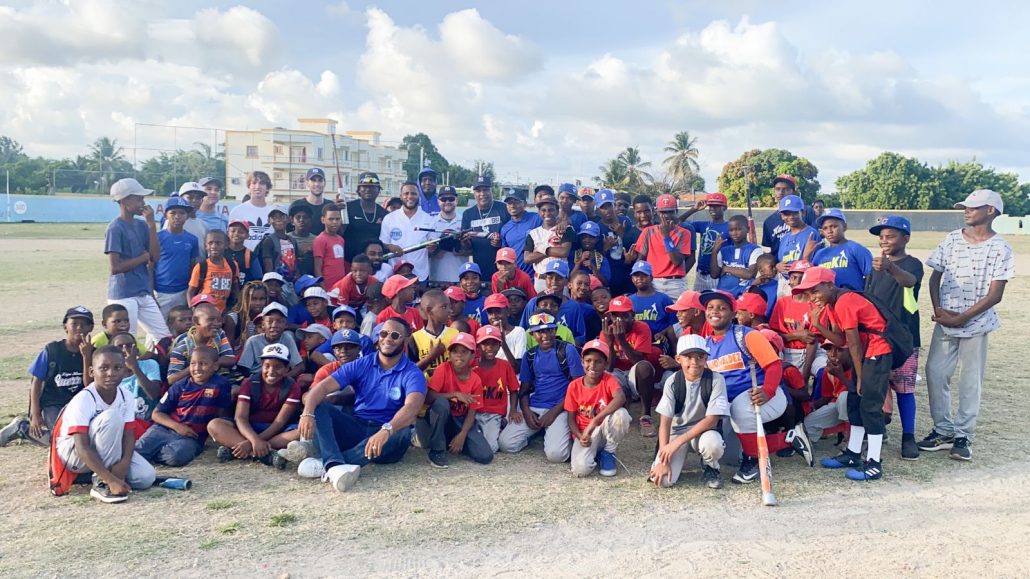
{"type": "Point", "coordinates": [897, 334]}
{"type": "Point", "coordinates": [679, 389]}
{"type": "Point", "coordinates": [560, 351]}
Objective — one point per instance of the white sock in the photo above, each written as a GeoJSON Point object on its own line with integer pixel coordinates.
{"type": "Point", "coordinates": [875, 444]}
{"type": "Point", "coordinates": [855, 439]}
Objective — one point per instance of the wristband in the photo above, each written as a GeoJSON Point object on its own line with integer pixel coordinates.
{"type": "Point", "coordinates": [307, 414]}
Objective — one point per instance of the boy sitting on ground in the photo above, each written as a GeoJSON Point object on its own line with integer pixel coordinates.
{"type": "Point", "coordinates": [454, 396]}
{"type": "Point", "coordinates": [207, 332]}
{"type": "Point", "coordinates": [500, 386]}
{"type": "Point", "coordinates": [272, 323]}
{"type": "Point", "coordinates": [114, 320]}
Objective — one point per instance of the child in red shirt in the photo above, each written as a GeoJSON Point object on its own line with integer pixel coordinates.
{"type": "Point", "coordinates": [351, 289]}
{"type": "Point", "coordinates": [598, 422]}
{"type": "Point", "coordinates": [831, 409]}
{"type": "Point", "coordinates": [328, 247]}
{"type": "Point", "coordinates": [400, 291]}
{"type": "Point", "coordinates": [631, 342]}
{"type": "Point", "coordinates": [455, 395]}
{"type": "Point", "coordinates": [509, 275]}
{"type": "Point", "coordinates": [790, 319]}
{"type": "Point", "coordinates": [500, 387]}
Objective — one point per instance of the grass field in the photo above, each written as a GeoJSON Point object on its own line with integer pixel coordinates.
{"type": "Point", "coordinates": [518, 515]}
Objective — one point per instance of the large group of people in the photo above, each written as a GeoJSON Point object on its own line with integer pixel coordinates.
{"type": "Point", "coordinates": [325, 337]}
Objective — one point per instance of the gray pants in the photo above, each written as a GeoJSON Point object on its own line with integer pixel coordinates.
{"type": "Point", "coordinates": [945, 354]}
{"type": "Point", "coordinates": [443, 427]}
{"type": "Point", "coordinates": [609, 434]}
{"type": "Point", "coordinates": [671, 286]}
{"type": "Point", "coordinates": [490, 424]}
{"type": "Point", "coordinates": [709, 445]}
{"type": "Point", "coordinates": [557, 444]}
{"type": "Point", "coordinates": [826, 417]}
{"type": "Point", "coordinates": [704, 281]}
{"type": "Point", "coordinates": [105, 436]}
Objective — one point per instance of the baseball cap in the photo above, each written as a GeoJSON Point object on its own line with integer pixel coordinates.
{"type": "Point", "coordinates": [305, 281]}
{"type": "Point", "coordinates": [319, 329]}
{"type": "Point", "coordinates": [128, 187]}
{"type": "Point", "coordinates": [666, 203]}
{"type": "Point", "coordinates": [505, 254]}
{"type": "Point", "coordinates": [775, 339]}
{"type": "Point", "coordinates": [368, 178]}
{"type": "Point", "coordinates": [469, 267]}
{"type": "Point", "coordinates": [559, 266]}
{"type": "Point", "coordinates": [315, 292]}
{"type": "Point", "coordinates": [273, 307]}
{"type": "Point", "coordinates": [982, 197]}
{"type": "Point", "coordinates": [241, 222]}
{"type": "Point", "coordinates": [604, 196]}
{"type": "Point", "coordinates": [273, 276]}
{"type": "Point", "coordinates": [495, 301]}
{"type": "Point", "coordinates": [202, 299]}
{"type": "Point", "coordinates": [621, 304]}
{"type": "Point", "coordinates": [315, 172]}
{"type": "Point", "coordinates": [455, 293]}
{"type": "Point", "coordinates": [482, 181]}
{"type": "Point", "coordinates": [177, 203]}
{"type": "Point", "coordinates": [894, 222]}
{"type": "Point", "coordinates": [514, 291]}
{"type": "Point", "coordinates": [211, 181]}
{"type": "Point", "coordinates": [752, 302]}
{"type": "Point", "coordinates": [548, 295]}
{"type": "Point", "coordinates": [487, 333]}
{"type": "Point", "coordinates": [446, 191]}
{"type": "Point", "coordinates": [543, 187]}
{"type": "Point", "coordinates": [709, 295]}
{"type": "Point", "coordinates": [799, 266]}
{"type": "Point", "coordinates": [643, 267]}
{"type": "Point", "coordinates": [276, 352]}
{"type": "Point", "coordinates": [590, 228]}
{"type": "Point", "coordinates": [690, 344]}
{"type": "Point", "coordinates": [791, 203]}
{"type": "Point", "coordinates": [345, 309]}
{"type": "Point", "coordinates": [346, 337]}
{"type": "Point", "coordinates": [463, 339]}
{"type": "Point", "coordinates": [395, 284]}
{"type": "Point", "coordinates": [78, 312]}
{"type": "Point", "coordinates": [276, 209]}
{"type": "Point", "coordinates": [814, 276]}
{"type": "Point", "coordinates": [586, 192]}
{"type": "Point", "coordinates": [541, 320]}
{"type": "Point", "coordinates": [598, 346]}
{"type": "Point", "coordinates": [401, 262]}
{"type": "Point", "coordinates": [544, 199]}
{"type": "Point", "coordinates": [832, 213]}
{"type": "Point", "coordinates": [688, 300]}
{"type": "Point", "coordinates": [568, 188]}
{"type": "Point", "coordinates": [716, 199]}
{"type": "Point", "coordinates": [786, 179]}
{"type": "Point", "coordinates": [191, 187]}
{"type": "Point", "coordinates": [827, 344]}
{"type": "Point", "coordinates": [516, 194]}
{"type": "Point", "coordinates": [595, 282]}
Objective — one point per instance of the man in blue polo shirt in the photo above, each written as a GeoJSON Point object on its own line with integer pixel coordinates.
{"type": "Point", "coordinates": [389, 391]}
{"type": "Point", "coordinates": [514, 232]}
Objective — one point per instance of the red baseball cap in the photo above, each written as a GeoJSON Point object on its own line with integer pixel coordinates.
{"type": "Point", "coordinates": [487, 333]}
{"type": "Point", "coordinates": [621, 304]}
{"type": "Point", "coordinates": [788, 178]}
{"type": "Point", "coordinates": [666, 203]}
{"type": "Point", "coordinates": [401, 263]}
{"type": "Point", "coordinates": [595, 282]}
{"type": "Point", "coordinates": [243, 222]}
{"type": "Point", "coordinates": [495, 301]}
{"type": "Point", "coordinates": [688, 300]}
{"type": "Point", "coordinates": [463, 339]}
{"type": "Point", "coordinates": [814, 276]}
{"type": "Point", "coordinates": [202, 299]}
{"type": "Point", "coordinates": [455, 293]}
{"type": "Point", "coordinates": [505, 254]}
{"type": "Point", "coordinates": [395, 284]}
{"type": "Point", "coordinates": [775, 339]}
{"type": "Point", "coordinates": [596, 345]}
{"type": "Point", "coordinates": [752, 302]}
{"type": "Point", "coordinates": [716, 199]}
{"type": "Point", "coordinates": [799, 266]}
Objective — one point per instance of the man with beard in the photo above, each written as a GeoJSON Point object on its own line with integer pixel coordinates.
{"type": "Point", "coordinates": [315, 200]}
{"type": "Point", "coordinates": [515, 231]}
{"type": "Point", "coordinates": [485, 217]}
{"type": "Point", "coordinates": [427, 191]}
{"type": "Point", "coordinates": [773, 228]}
{"type": "Point", "coordinates": [407, 227]}
{"type": "Point", "coordinates": [364, 215]}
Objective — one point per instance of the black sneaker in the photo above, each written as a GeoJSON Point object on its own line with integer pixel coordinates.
{"type": "Point", "coordinates": [102, 492]}
{"type": "Point", "coordinates": [712, 477]}
{"type": "Point", "coordinates": [786, 452]}
{"type": "Point", "coordinates": [748, 471]}
{"type": "Point", "coordinates": [845, 459]}
{"type": "Point", "coordinates": [960, 449]}
{"type": "Point", "coordinates": [909, 448]}
{"type": "Point", "coordinates": [438, 458]}
{"type": "Point", "coordinates": [224, 454]}
{"type": "Point", "coordinates": [16, 430]}
{"type": "Point", "coordinates": [872, 470]}
{"type": "Point", "coordinates": [279, 461]}
{"type": "Point", "coordinates": [799, 442]}
{"type": "Point", "coordinates": [935, 441]}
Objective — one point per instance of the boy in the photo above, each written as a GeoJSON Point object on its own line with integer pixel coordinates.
{"type": "Point", "coordinates": [455, 396]}
{"type": "Point", "coordinates": [569, 312]}
{"type": "Point", "coordinates": [790, 319]}
{"type": "Point", "coordinates": [751, 309]}
{"type": "Point", "coordinates": [142, 382]}
{"type": "Point", "coordinates": [588, 257]}
{"type": "Point", "coordinates": [247, 264]}
{"type": "Point", "coordinates": [597, 418]}
{"type": "Point", "coordinates": [509, 275]}
{"type": "Point", "coordinates": [328, 247]}
{"type": "Point", "coordinates": [581, 284]}
{"type": "Point", "coordinates": [278, 249]}
{"type": "Point", "coordinates": [668, 247]}
{"type": "Point", "coordinates": [180, 251]}
{"type": "Point", "coordinates": [56, 375]}
{"type": "Point", "coordinates": [456, 298]}
{"type": "Point", "coordinates": [400, 291]}
{"type": "Point", "coordinates": [500, 386]}
{"type": "Point", "coordinates": [470, 281]}
{"type": "Point", "coordinates": [180, 320]}
{"type": "Point", "coordinates": [709, 234]}
{"type": "Point", "coordinates": [649, 304]}
{"type": "Point", "coordinates": [304, 239]}
{"type": "Point", "coordinates": [316, 302]}
{"type": "Point", "coordinates": [630, 341]}
{"type": "Point", "coordinates": [95, 435]}
{"type": "Point", "coordinates": [517, 300]}
{"type": "Point", "coordinates": [114, 320]}
{"type": "Point", "coordinates": [374, 303]}
{"type": "Point", "coordinates": [216, 276]}
{"type": "Point", "coordinates": [849, 261]}
{"type": "Point", "coordinates": [351, 289]}
{"type": "Point", "coordinates": [272, 323]}
{"type": "Point", "coordinates": [206, 332]}
{"type": "Point", "coordinates": [550, 303]}
{"type": "Point", "coordinates": [895, 279]}
{"type": "Point", "coordinates": [345, 318]}
{"type": "Point", "coordinates": [800, 240]}
{"type": "Point", "coordinates": [831, 409]}
{"type": "Point", "coordinates": [544, 376]}
{"type": "Point", "coordinates": [735, 264]}
{"type": "Point", "coordinates": [430, 344]}
{"type": "Point", "coordinates": [767, 282]}
{"type": "Point", "coordinates": [513, 344]}
{"type": "Point", "coordinates": [298, 314]}
{"type": "Point", "coordinates": [693, 403]}
{"type": "Point", "coordinates": [182, 415]}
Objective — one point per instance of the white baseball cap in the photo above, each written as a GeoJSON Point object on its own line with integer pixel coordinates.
{"type": "Point", "coordinates": [315, 292]}
{"type": "Point", "coordinates": [128, 187]}
{"type": "Point", "coordinates": [690, 344]}
{"type": "Point", "coordinates": [317, 329]}
{"type": "Point", "coordinates": [273, 276]}
{"type": "Point", "coordinates": [274, 307]}
{"type": "Point", "coordinates": [982, 197]}
{"type": "Point", "coordinates": [190, 186]}
{"type": "Point", "coordinates": [277, 352]}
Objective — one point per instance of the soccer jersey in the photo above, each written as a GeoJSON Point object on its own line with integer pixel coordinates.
{"type": "Point", "coordinates": [87, 405]}
{"type": "Point", "coordinates": [265, 403]}
{"type": "Point", "coordinates": [218, 283]}
{"type": "Point", "coordinates": [195, 405]}
{"type": "Point", "coordinates": [587, 402]}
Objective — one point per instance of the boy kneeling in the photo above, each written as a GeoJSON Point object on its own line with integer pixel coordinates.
{"type": "Point", "coordinates": [692, 405]}
{"type": "Point", "coordinates": [596, 414]}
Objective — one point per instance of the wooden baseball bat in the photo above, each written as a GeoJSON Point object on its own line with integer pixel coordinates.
{"type": "Point", "coordinates": [764, 465]}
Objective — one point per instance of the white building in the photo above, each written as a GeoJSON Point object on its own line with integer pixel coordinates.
{"type": "Point", "coordinates": [287, 154]}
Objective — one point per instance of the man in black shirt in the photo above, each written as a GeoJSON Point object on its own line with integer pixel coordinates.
{"type": "Point", "coordinates": [365, 216]}
{"type": "Point", "coordinates": [486, 216]}
{"type": "Point", "coordinates": [315, 200]}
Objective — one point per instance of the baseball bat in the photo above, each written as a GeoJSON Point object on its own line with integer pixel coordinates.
{"type": "Point", "coordinates": [764, 466]}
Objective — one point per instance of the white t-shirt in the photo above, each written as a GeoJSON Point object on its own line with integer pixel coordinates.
{"type": "Point", "coordinates": [694, 409]}
{"type": "Point", "coordinates": [968, 271]}
{"type": "Point", "coordinates": [444, 266]}
{"type": "Point", "coordinates": [516, 340]}
{"type": "Point", "coordinates": [87, 405]}
{"type": "Point", "coordinates": [258, 218]}
{"type": "Point", "coordinates": [399, 229]}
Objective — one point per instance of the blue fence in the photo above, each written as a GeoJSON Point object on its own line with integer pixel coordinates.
{"type": "Point", "coordinates": [48, 209]}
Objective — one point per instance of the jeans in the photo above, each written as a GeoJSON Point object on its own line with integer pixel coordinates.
{"type": "Point", "coordinates": [163, 445]}
{"type": "Point", "coordinates": [444, 427]}
{"type": "Point", "coordinates": [342, 438]}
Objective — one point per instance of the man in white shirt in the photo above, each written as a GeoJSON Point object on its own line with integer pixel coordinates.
{"type": "Point", "coordinates": [407, 227]}
{"type": "Point", "coordinates": [443, 262]}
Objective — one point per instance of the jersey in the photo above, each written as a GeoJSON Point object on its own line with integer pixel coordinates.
{"type": "Point", "coordinates": [446, 381]}
{"type": "Point", "coordinates": [727, 357]}
{"type": "Point", "coordinates": [850, 262]}
{"type": "Point", "coordinates": [792, 245]}
{"type": "Point", "coordinates": [218, 282]}
{"type": "Point", "coordinates": [587, 402]}
{"type": "Point", "coordinates": [424, 343]}
{"type": "Point", "coordinates": [707, 233]}
{"type": "Point", "coordinates": [651, 246]}
{"type": "Point", "coordinates": [498, 381]}
{"type": "Point", "coordinates": [743, 257]}
{"type": "Point", "coordinates": [651, 310]}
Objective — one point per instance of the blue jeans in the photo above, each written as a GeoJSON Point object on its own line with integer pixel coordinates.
{"type": "Point", "coordinates": [342, 438]}
{"type": "Point", "coordinates": [163, 445]}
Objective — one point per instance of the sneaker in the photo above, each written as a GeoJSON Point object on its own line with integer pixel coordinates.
{"type": "Point", "coordinates": [102, 492]}
{"type": "Point", "coordinates": [278, 461]}
{"type": "Point", "coordinates": [311, 468]}
{"type": "Point", "coordinates": [298, 450]}
{"type": "Point", "coordinates": [438, 458]}
{"type": "Point", "coordinates": [798, 439]}
{"type": "Point", "coordinates": [871, 471]}
{"type": "Point", "coordinates": [224, 454]}
{"type": "Point", "coordinates": [712, 477]}
{"type": "Point", "coordinates": [606, 465]}
{"type": "Point", "coordinates": [909, 448]}
{"type": "Point", "coordinates": [16, 430]}
{"type": "Point", "coordinates": [935, 441]}
{"type": "Point", "coordinates": [960, 449]}
{"type": "Point", "coordinates": [843, 460]}
{"type": "Point", "coordinates": [343, 476]}
{"type": "Point", "coordinates": [267, 459]}
{"type": "Point", "coordinates": [647, 427]}
{"type": "Point", "coordinates": [748, 471]}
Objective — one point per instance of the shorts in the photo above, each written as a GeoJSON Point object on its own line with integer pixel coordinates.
{"type": "Point", "coordinates": [903, 379]}
{"type": "Point", "coordinates": [260, 427]}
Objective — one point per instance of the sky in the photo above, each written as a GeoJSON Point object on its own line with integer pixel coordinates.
{"type": "Point", "coordinates": [546, 90]}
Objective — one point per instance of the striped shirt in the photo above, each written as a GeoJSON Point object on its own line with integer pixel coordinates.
{"type": "Point", "coordinates": [197, 404]}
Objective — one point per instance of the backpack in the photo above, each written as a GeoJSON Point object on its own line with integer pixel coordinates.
{"type": "Point", "coordinates": [897, 334]}
{"type": "Point", "coordinates": [679, 389]}
{"type": "Point", "coordinates": [255, 382]}
{"type": "Point", "coordinates": [560, 351]}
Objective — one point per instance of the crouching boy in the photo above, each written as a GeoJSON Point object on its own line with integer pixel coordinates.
{"type": "Point", "coordinates": [692, 405]}
{"type": "Point", "coordinates": [597, 418]}
{"type": "Point", "coordinates": [455, 396]}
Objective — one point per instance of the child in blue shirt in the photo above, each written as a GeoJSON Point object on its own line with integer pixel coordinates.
{"type": "Point", "coordinates": [735, 264]}
{"type": "Point", "coordinates": [849, 261]}
{"type": "Point", "coordinates": [649, 304]}
{"type": "Point", "coordinates": [795, 243]}
{"type": "Point", "coordinates": [766, 281]}
{"type": "Point", "coordinates": [180, 250]}
{"type": "Point", "coordinates": [589, 257]}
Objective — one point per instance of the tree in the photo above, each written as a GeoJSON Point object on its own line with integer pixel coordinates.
{"type": "Point", "coordinates": [636, 176]}
{"type": "Point", "coordinates": [421, 144]}
{"type": "Point", "coordinates": [1018, 204]}
{"type": "Point", "coordinates": [10, 151]}
{"type": "Point", "coordinates": [682, 163]}
{"type": "Point", "coordinates": [107, 159]}
{"type": "Point", "coordinates": [758, 168]}
{"type": "Point", "coordinates": [613, 174]}
{"type": "Point", "coordinates": [960, 179]}
{"type": "Point", "coordinates": [890, 181]}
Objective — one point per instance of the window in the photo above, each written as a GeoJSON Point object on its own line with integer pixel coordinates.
{"type": "Point", "coordinates": [389, 165]}
{"type": "Point", "coordinates": [252, 152]}
{"type": "Point", "coordinates": [277, 175]}
{"type": "Point", "coordinates": [320, 153]}
{"type": "Point", "coordinates": [346, 155]}
{"type": "Point", "coordinates": [297, 180]}
{"type": "Point", "coordinates": [346, 180]}
{"type": "Point", "coordinates": [235, 180]}
{"type": "Point", "coordinates": [298, 154]}
{"type": "Point", "coordinates": [278, 149]}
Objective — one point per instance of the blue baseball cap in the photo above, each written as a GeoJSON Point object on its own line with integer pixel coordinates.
{"type": "Point", "coordinates": [642, 266]}
{"type": "Point", "coordinates": [558, 266]}
{"type": "Point", "coordinates": [568, 188]}
{"type": "Point", "coordinates": [590, 228]}
{"type": "Point", "coordinates": [604, 196]}
{"type": "Point", "coordinates": [894, 222]}
{"type": "Point", "coordinates": [177, 203]}
{"type": "Point", "coordinates": [345, 309]}
{"type": "Point", "coordinates": [482, 181]}
{"type": "Point", "coordinates": [833, 213]}
{"type": "Point", "coordinates": [792, 203]}
{"type": "Point", "coordinates": [304, 282]}
{"type": "Point", "coordinates": [316, 172]}
{"type": "Point", "coordinates": [469, 266]}
{"type": "Point", "coordinates": [346, 337]}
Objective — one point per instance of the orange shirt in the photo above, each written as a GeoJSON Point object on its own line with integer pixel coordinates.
{"type": "Point", "coordinates": [445, 381]}
{"type": "Point", "coordinates": [498, 381]}
{"type": "Point", "coordinates": [522, 281]}
{"type": "Point", "coordinates": [586, 402]}
{"type": "Point", "coordinates": [218, 283]}
{"type": "Point", "coordinates": [638, 336]}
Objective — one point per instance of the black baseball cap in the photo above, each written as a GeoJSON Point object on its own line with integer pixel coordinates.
{"type": "Point", "coordinates": [316, 172]}
{"type": "Point", "coordinates": [446, 191]}
{"type": "Point", "coordinates": [543, 187]}
{"type": "Point", "coordinates": [515, 193]}
{"type": "Point", "coordinates": [368, 178]}
{"type": "Point", "coordinates": [482, 181]}
{"type": "Point", "coordinates": [78, 312]}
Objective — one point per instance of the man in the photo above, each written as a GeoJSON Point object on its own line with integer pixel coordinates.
{"type": "Point", "coordinates": [427, 191]}
{"type": "Point", "coordinates": [773, 228]}
{"type": "Point", "coordinates": [623, 201]}
{"type": "Point", "coordinates": [443, 261]}
{"type": "Point", "coordinates": [407, 227]}
{"type": "Point", "coordinates": [552, 241]}
{"type": "Point", "coordinates": [389, 391]}
{"type": "Point", "coordinates": [520, 223]}
{"type": "Point", "coordinates": [707, 233]}
{"type": "Point", "coordinates": [618, 236]}
{"type": "Point", "coordinates": [208, 211]}
{"type": "Point", "coordinates": [970, 269]}
{"type": "Point", "coordinates": [364, 215]}
{"type": "Point", "coordinates": [486, 217]}
{"type": "Point", "coordinates": [668, 247]}
{"type": "Point", "coordinates": [817, 208]}
{"type": "Point", "coordinates": [315, 199]}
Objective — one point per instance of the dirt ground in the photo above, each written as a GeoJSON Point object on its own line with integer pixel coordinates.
{"type": "Point", "coordinates": [519, 515]}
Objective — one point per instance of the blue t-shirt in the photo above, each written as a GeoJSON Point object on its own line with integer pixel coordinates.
{"type": "Point", "coordinates": [706, 234]}
{"type": "Point", "coordinates": [651, 311]}
{"type": "Point", "coordinates": [144, 404]}
{"type": "Point", "coordinates": [850, 261]}
{"type": "Point", "coordinates": [474, 309]}
{"type": "Point", "coordinates": [380, 393]}
{"type": "Point", "coordinates": [569, 314]}
{"type": "Point", "coordinates": [298, 314]}
{"type": "Point", "coordinates": [792, 245]}
{"type": "Point", "coordinates": [733, 256]}
{"type": "Point", "coordinates": [769, 290]}
{"type": "Point", "coordinates": [550, 384]}
{"type": "Point", "coordinates": [605, 269]}
{"type": "Point", "coordinates": [773, 229]}
{"type": "Point", "coordinates": [129, 240]}
{"type": "Point", "coordinates": [619, 283]}
{"type": "Point", "coordinates": [513, 235]}
{"type": "Point", "coordinates": [172, 272]}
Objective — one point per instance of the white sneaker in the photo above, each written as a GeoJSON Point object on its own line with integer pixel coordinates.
{"type": "Point", "coordinates": [343, 476]}
{"type": "Point", "coordinates": [311, 468]}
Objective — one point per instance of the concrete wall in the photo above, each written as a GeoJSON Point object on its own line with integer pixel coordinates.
{"type": "Point", "coordinates": [864, 219]}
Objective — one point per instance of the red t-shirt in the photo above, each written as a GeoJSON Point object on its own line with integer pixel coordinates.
{"type": "Point", "coordinates": [445, 381]}
{"type": "Point", "coordinates": [832, 387]}
{"type": "Point", "coordinates": [522, 281]}
{"type": "Point", "coordinates": [789, 316]}
{"type": "Point", "coordinates": [589, 402]}
{"type": "Point", "coordinates": [792, 377]}
{"type": "Point", "coordinates": [410, 315]}
{"type": "Point", "coordinates": [349, 292]}
{"type": "Point", "coordinates": [498, 381]}
{"type": "Point", "coordinates": [329, 248]}
{"type": "Point", "coordinates": [852, 310]}
{"type": "Point", "coordinates": [267, 407]}
{"type": "Point", "coordinates": [638, 336]}
{"type": "Point", "coordinates": [706, 330]}
{"type": "Point", "coordinates": [651, 244]}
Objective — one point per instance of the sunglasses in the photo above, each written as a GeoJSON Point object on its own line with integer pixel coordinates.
{"type": "Point", "coordinates": [369, 181]}
{"type": "Point", "coordinates": [540, 319]}
{"type": "Point", "coordinates": [394, 335]}
{"type": "Point", "coordinates": [448, 199]}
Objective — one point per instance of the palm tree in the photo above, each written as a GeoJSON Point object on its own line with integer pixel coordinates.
{"type": "Point", "coordinates": [636, 177]}
{"type": "Point", "coordinates": [613, 174]}
{"type": "Point", "coordinates": [682, 163]}
{"type": "Point", "coordinates": [104, 154]}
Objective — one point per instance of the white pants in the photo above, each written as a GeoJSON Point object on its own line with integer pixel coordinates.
{"type": "Point", "coordinates": [796, 357]}
{"type": "Point", "coordinates": [709, 445]}
{"type": "Point", "coordinates": [742, 412]}
{"type": "Point", "coordinates": [704, 282]}
{"type": "Point", "coordinates": [628, 380]}
{"type": "Point", "coordinates": [144, 311]}
{"type": "Point", "coordinates": [490, 424]}
{"type": "Point", "coordinates": [826, 417]}
{"type": "Point", "coordinates": [105, 436]}
{"type": "Point", "coordinates": [671, 286]}
{"type": "Point", "coordinates": [611, 432]}
{"type": "Point", "coordinates": [557, 444]}
{"type": "Point", "coordinates": [168, 301]}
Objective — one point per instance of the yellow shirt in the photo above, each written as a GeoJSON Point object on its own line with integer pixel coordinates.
{"type": "Point", "coordinates": [100, 340]}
